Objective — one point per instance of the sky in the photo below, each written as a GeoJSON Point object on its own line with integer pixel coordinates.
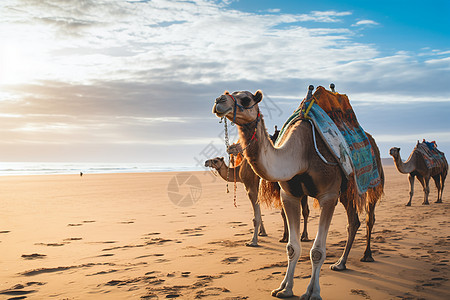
{"type": "Point", "coordinates": [135, 81]}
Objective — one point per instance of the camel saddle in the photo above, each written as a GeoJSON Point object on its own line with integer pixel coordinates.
{"type": "Point", "coordinates": [434, 159]}
{"type": "Point", "coordinates": [334, 118]}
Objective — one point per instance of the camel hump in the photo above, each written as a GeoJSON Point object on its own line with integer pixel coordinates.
{"type": "Point", "coordinates": [434, 159]}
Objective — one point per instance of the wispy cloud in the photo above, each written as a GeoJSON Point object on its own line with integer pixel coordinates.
{"type": "Point", "coordinates": [366, 23]}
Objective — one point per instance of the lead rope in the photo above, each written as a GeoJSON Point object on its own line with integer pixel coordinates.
{"type": "Point", "coordinates": [227, 144]}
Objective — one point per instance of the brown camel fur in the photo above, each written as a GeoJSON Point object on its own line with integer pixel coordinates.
{"type": "Point", "coordinates": [295, 165]}
{"type": "Point", "coordinates": [415, 166]}
{"type": "Point", "coordinates": [244, 173]}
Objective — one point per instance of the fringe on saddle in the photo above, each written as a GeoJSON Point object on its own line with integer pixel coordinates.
{"type": "Point", "coordinates": [269, 195]}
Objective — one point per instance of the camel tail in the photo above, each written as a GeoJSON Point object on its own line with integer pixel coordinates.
{"type": "Point", "coordinates": [269, 194]}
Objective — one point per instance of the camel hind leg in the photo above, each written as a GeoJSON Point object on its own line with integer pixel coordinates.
{"type": "Point", "coordinates": [437, 182]}
{"type": "Point", "coordinates": [370, 221]}
{"type": "Point", "coordinates": [352, 227]}
{"type": "Point", "coordinates": [443, 176]}
{"type": "Point", "coordinates": [305, 214]}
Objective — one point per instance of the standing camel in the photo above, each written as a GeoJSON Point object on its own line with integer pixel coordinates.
{"type": "Point", "coordinates": [298, 169]}
{"type": "Point", "coordinates": [245, 174]}
{"type": "Point", "coordinates": [416, 166]}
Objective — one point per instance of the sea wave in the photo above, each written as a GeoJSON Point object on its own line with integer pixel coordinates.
{"type": "Point", "coordinates": [53, 168]}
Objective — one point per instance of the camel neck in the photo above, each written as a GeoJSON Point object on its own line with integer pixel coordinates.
{"type": "Point", "coordinates": [228, 173]}
{"type": "Point", "coordinates": [404, 167]}
{"type": "Point", "coordinates": [270, 163]}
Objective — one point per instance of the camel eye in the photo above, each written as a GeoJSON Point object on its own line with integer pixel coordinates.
{"type": "Point", "coordinates": [245, 101]}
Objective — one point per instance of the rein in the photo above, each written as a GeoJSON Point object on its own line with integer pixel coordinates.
{"type": "Point", "coordinates": [227, 141]}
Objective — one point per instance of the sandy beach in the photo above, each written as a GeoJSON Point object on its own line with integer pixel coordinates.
{"type": "Point", "coordinates": [178, 235]}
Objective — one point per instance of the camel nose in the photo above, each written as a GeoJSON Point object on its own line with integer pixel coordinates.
{"type": "Point", "coordinates": [221, 99]}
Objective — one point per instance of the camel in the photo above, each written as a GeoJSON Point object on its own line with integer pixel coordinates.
{"type": "Point", "coordinates": [416, 166]}
{"type": "Point", "coordinates": [299, 171]}
{"type": "Point", "coordinates": [244, 173]}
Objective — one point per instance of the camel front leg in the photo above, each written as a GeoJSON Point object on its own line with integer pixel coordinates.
{"type": "Point", "coordinates": [257, 219]}
{"type": "Point", "coordinates": [370, 221]}
{"type": "Point", "coordinates": [285, 237]}
{"type": "Point", "coordinates": [425, 181]}
{"type": "Point", "coordinates": [411, 188]}
{"type": "Point", "coordinates": [305, 213]}
{"type": "Point", "coordinates": [352, 227]}
{"type": "Point", "coordinates": [318, 250]}
{"type": "Point", "coordinates": [291, 206]}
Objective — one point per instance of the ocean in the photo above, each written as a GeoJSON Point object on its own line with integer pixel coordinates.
{"type": "Point", "coordinates": [54, 168]}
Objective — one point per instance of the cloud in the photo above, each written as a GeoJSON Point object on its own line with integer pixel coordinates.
{"type": "Point", "coordinates": [145, 73]}
{"type": "Point", "coordinates": [366, 23]}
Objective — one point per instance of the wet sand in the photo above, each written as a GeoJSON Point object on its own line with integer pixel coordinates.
{"type": "Point", "coordinates": [127, 236]}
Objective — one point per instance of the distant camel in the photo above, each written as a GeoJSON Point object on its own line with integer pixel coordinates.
{"type": "Point", "coordinates": [416, 166]}
{"type": "Point", "coordinates": [247, 176]}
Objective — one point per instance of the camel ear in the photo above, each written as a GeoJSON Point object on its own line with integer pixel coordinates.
{"type": "Point", "coordinates": [221, 158]}
{"type": "Point", "coordinates": [257, 97]}
{"type": "Point", "coordinates": [226, 93]}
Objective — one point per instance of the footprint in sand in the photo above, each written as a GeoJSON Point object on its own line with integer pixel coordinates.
{"type": "Point", "coordinates": [74, 224]}
{"type": "Point", "coordinates": [232, 259]}
{"type": "Point", "coordinates": [33, 256]}
{"type": "Point", "coordinates": [126, 222]}
{"type": "Point", "coordinates": [19, 290]}
{"type": "Point", "coordinates": [51, 244]}
{"type": "Point", "coordinates": [5, 231]}
{"type": "Point", "coordinates": [73, 239]}
{"type": "Point", "coordinates": [89, 221]}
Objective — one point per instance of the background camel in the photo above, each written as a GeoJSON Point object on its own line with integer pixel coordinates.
{"type": "Point", "coordinates": [245, 174]}
{"type": "Point", "coordinates": [298, 169]}
{"type": "Point", "coordinates": [416, 166]}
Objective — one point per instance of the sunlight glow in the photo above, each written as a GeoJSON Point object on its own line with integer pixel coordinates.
{"type": "Point", "coordinates": [13, 64]}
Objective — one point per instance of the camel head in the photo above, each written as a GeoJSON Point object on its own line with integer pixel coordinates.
{"type": "Point", "coordinates": [394, 152]}
{"type": "Point", "coordinates": [215, 163]}
{"type": "Point", "coordinates": [239, 107]}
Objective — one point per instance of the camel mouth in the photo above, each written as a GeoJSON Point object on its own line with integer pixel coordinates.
{"type": "Point", "coordinates": [223, 114]}
{"type": "Point", "coordinates": [217, 111]}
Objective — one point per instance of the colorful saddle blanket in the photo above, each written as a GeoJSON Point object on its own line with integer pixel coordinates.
{"type": "Point", "coordinates": [336, 122]}
{"type": "Point", "coordinates": [432, 156]}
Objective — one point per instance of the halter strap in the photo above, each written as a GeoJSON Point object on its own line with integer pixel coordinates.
{"type": "Point", "coordinates": [236, 105]}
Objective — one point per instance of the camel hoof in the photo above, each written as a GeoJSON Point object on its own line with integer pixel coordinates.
{"type": "Point", "coordinates": [251, 244]}
{"type": "Point", "coordinates": [282, 293]}
{"type": "Point", "coordinates": [408, 204]}
{"type": "Point", "coordinates": [338, 267]}
{"type": "Point", "coordinates": [367, 259]}
{"type": "Point", "coordinates": [283, 240]}
{"type": "Point", "coordinates": [438, 201]}
{"type": "Point", "coordinates": [426, 203]}
{"type": "Point", "coordinates": [310, 297]}
{"type": "Point", "coordinates": [305, 239]}
{"type": "Point", "coordinates": [262, 234]}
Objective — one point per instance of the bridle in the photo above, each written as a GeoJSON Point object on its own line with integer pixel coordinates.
{"type": "Point", "coordinates": [241, 107]}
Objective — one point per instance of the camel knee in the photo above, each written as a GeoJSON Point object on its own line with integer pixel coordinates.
{"type": "Point", "coordinates": [317, 256]}
{"type": "Point", "coordinates": [293, 251]}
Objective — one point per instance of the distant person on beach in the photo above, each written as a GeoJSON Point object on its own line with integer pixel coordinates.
{"type": "Point", "coordinates": [81, 174]}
